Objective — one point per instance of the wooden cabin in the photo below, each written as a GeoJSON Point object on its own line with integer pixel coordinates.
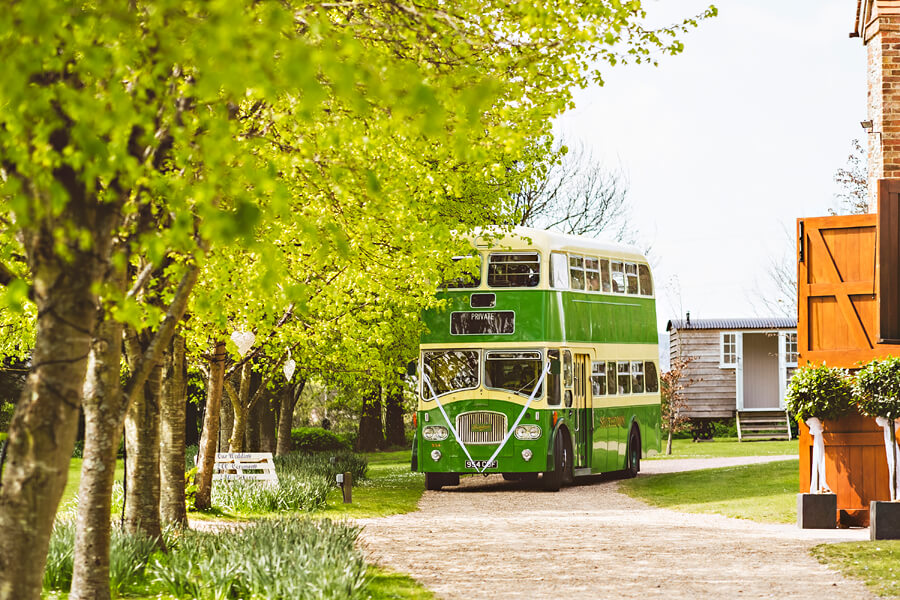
{"type": "Point", "coordinates": [740, 369]}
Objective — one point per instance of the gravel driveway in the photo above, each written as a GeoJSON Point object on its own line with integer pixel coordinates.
{"type": "Point", "coordinates": [489, 538]}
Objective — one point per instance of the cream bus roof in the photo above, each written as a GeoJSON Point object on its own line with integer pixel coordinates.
{"type": "Point", "coordinates": [545, 241]}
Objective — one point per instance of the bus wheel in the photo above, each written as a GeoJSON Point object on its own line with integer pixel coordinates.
{"type": "Point", "coordinates": [552, 480]}
{"type": "Point", "coordinates": [634, 454]}
{"type": "Point", "coordinates": [434, 481]}
{"type": "Point", "coordinates": [568, 472]}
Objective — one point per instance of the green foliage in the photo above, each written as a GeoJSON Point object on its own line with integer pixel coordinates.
{"type": "Point", "coordinates": [3, 435]}
{"type": "Point", "coordinates": [293, 492]}
{"type": "Point", "coordinates": [190, 487]}
{"type": "Point", "coordinates": [877, 388]}
{"type": "Point", "coordinates": [316, 439]}
{"type": "Point", "coordinates": [274, 559]}
{"type": "Point", "coordinates": [819, 391]}
{"type": "Point", "coordinates": [129, 556]}
{"type": "Point", "coordinates": [875, 563]}
{"type": "Point", "coordinates": [324, 464]}
{"type": "Point", "coordinates": [764, 492]}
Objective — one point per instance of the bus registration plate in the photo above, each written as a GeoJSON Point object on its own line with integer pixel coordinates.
{"type": "Point", "coordinates": [481, 464]}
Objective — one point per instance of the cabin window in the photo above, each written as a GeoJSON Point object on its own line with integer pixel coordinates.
{"type": "Point", "coordinates": [592, 274]}
{"type": "Point", "coordinates": [553, 387]}
{"type": "Point", "coordinates": [637, 377]}
{"type": "Point", "coordinates": [598, 378]}
{"type": "Point", "coordinates": [650, 377]}
{"type": "Point", "coordinates": [646, 280]}
{"type": "Point", "coordinates": [624, 377]}
{"type": "Point", "coordinates": [729, 350]}
{"type": "Point", "coordinates": [449, 371]}
{"type": "Point", "coordinates": [604, 274]}
{"type": "Point", "coordinates": [631, 278]}
{"type": "Point", "coordinates": [611, 377]}
{"type": "Point", "coordinates": [568, 371]}
{"type": "Point", "coordinates": [513, 371]}
{"type": "Point", "coordinates": [576, 272]}
{"type": "Point", "coordinates": [470, 278]}
{"type": "Point", "coordinates": [559, 271]}
{"type": "Point", "coordinates": [790, 349]}
{"type": "Point", "coordinates": [618, 277]}
{"type": "Point", "coordinates": [514, 269]}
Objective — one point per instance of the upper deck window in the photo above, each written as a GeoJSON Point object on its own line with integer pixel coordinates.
{"type": "Point", "coordinates": [450, 370]}
{"type": "Point", "coordinates": [618, 277]}
{"type": "Point", "coordinates": [604, 274]}
{"type": "Point", "coordinates": [514, 269]}
{"type": "Point", "coordinates": [576, 272]}
{"type": "Point", "coordinates": [631, 278]}
{"type": "Point", "coordinates": [646, 281]}
{"type": "Point", "coordinates": [514, 371]}
{"type": "Point", "coordinates": [470, 279]}
{"type": "Point", "coordinates": [591, 274]}
{"type": "Point", "coordinates": [559, 271]}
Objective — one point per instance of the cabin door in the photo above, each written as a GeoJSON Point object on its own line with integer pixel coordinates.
{"type": "Point", "coordinates": [583, 417]}
{"type": "Point", "coordinates": [758, 373]}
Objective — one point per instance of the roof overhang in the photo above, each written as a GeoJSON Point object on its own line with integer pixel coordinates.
{"type": "Point", "coordinates": [865, 25]}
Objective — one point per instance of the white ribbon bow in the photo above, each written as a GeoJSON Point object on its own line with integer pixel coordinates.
{"type": "Point", "coordinates": [817, 481]}
{"type": "Point", "coordinates": [890, 452]}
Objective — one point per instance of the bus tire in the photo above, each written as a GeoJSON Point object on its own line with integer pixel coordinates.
{"type": "Point", "coordinates": [568, 472]}
{"type": "Point", "coordinates": [633, 456]}
{"type": "Point", "coordinates": [551, 481]}
{"type": "Point", "coordinates": [434, 481]}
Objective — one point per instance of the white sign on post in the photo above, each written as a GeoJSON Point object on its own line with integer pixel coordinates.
{"type": "Point", "coordinates": [244, 466]}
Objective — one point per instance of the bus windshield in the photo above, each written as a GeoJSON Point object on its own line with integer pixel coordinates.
{"type": "Point", "coordinates": [517, 372]}
{"type": "Point", "coordinates": [450, 370]}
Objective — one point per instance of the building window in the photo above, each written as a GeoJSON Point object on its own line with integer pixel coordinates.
{"type": "Point", "coordinates": [790, 349]}
{"type": "Point", "coordinates": [729, 350]}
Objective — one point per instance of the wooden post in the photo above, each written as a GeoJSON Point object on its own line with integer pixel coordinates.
{"type": "Point", "coordinates": [347, 488]}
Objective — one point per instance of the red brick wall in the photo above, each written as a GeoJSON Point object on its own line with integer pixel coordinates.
{"type": "Point", "coordinates": [882, 39]}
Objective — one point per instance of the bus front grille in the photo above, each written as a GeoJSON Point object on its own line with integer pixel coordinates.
{"type": "Point", "coordinates": [481, 427]}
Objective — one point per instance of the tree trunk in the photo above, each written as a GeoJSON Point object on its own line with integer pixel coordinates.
{"type": "Point", "coordinates": [172, 416]}
{"type": "Point", "coordinates": [289, 397]}
{"type": "Point", "coordinates": [226, 420]}
{"type": "Point", "coordinates": [240, 403]}
{"type": "Point", "coordinates": [43, 427]}
{"type": "Point", "coordinates": [104, 412]}
{"type": "Point", "coordinates": [207, 453]}
{"type": "Point", "coordinates": [142, 450]}
{"type": "Point", "coordinates": [669, 443]}
{"type": "Point", "coordinates": [394, 430]}
{"type": "Point", "coordinates": [371, 435]}
{"type": "Point", "coordinates": [265, 424]}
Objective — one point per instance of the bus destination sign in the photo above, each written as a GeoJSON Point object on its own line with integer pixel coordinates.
{"type": "Point", "coordinates": [501, 322]}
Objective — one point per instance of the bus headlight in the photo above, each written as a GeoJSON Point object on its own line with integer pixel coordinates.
{"type": "Point", "coordinates": [527, 454]}
{"type": "Point", "coordinates": [435, 455]}
{"type": "Point", "coordinates": [528, 432]}
{"type": "Point", "coordinates": [434, 433]}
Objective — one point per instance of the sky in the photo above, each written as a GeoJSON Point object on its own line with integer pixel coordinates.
{"type": "Point", "coordinates": [727, 144]}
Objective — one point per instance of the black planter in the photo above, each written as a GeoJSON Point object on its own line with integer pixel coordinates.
{"type": "Point", "coordinates": [817, 511]}
{"type": "Point", "coordinates": [884, 520]}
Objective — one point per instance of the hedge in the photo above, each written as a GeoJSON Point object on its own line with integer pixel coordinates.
{"type": "Point", "coordinates": [316, 439]}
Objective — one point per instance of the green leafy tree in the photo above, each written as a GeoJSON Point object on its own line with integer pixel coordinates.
{"type": "Point", "coordinates": [819, 391]}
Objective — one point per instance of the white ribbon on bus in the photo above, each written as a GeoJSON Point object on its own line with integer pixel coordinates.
{"type": "Point", "coordinates": [817, 481]}
{"type": "Point", "coordinates": [890, 452]}
{"type": "Point", "coordinates": [508, 433]}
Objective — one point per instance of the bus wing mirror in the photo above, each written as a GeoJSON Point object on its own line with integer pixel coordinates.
{"type": "Point", "coordinates": [554, 366]}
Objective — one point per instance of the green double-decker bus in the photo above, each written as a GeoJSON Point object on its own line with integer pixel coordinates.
{"type": "Point", "coordinates": [542, 364]}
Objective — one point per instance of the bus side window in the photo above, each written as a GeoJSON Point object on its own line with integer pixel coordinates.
{"type": "Point", "coordinates": [567, 368]}
{"type": "Point", "coordinates": [646, 281]}
{"type": "Point", "coordinates": [553, 387]}
{"type": "Point", "coordinates": [559, 271]}
{"type": "Point", "coordinates": [604, 275]}
{"type": "Point", "coordinates": [611, 377]}
{"type": "Point", "coordinates": [650, 376]}
{"type": "Point", "coordinates": [631, 278]}
{"type": "Point", "coordinates": [591, 274]}
{"type": "Point", "coordinates": [576, 272]}
{"type": "Point", "coordinates": [598, 378]}
{"type": "Point", "coordinates": [624, 377]}
{"type": "Point", "coordinates": [637, 377]}
{"type": "Point", "coordinates": [618, 277]}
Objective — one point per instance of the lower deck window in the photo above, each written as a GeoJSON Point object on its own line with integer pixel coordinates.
{"type": "Point", "coordinates": [450, 370]}
{"type": "Point", "coordinates": [624, 377]}
{"type": "Point", "coordinates": [514, 371]}
{"type": "Point", "coordinates": [598, 378]}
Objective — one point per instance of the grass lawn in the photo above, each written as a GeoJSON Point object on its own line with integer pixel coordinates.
{"type": "Point", "coordinates": [390, 490]}
{"type": "Point", "coordinates": [74, 479]}
{"type": "Point", "coordinates": [766, 492]}
{"type": "Point", "coordinates": [727, 447]}
{"type": "Point", "coordinates": [875, 563]}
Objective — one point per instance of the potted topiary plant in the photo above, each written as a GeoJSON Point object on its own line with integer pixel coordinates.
{"type": "Point", "coordinates": [877, 391]}
{"type": "Point", "coordinates": [817, 393]}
